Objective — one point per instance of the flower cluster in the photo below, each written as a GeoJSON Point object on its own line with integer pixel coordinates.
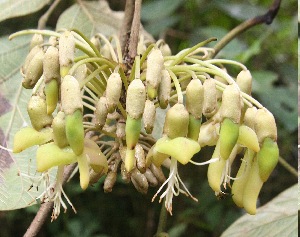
{"type": "Point", "coordinates": [93, 109]}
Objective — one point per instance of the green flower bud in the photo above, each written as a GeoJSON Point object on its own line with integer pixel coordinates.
{"type": "Point", "coordinates": [52, 94]}
{"type": "Point", "coordinates": [109, 181]}
{"type": "Point", "coordinates": [135, 99]}
{"type": "Point", "coordinates": [140, 158]}
{"type": "Point", "coordinates": [252, 188]}
{"type": "Point", "coordinates": [267, 158]}
{"type": "Point", "coordinates": [28, 137]}
{"type": "Point", "coordinates": [75, 131]}
{"type": "Point", "coordinates": [244, 81]}
{"type": "Point", "coordinates": [101, 112]}
{"type": "Point", "coordinates": [180, 148]}
{"type": "Point", "coordinates": [194, 98]}
{"type": "Point", "coordinates": [210, 105]}
{"type": "Point", "coordinates": [139, 181]}
{"type": "Point", "coordinates": [265, 125]}
{"type": "Point", "coordinates": [34, 70]}
{"type": "Point", "coordinates": [231, 103]}
{"type": "Point", "coordinates": [155, 64]}
{"type": "Point", "coordinates": [37, 111]}
{"type": "Point", "coordinates": [132, 129]}
{"type": "Point", "coordinates": [113, 91]}
{"type": "Point", "coordinates": [130, 160]}
{"type": "Point", "coordinates": [248, 138]}
{"type": "Point", "coordinates": [229, 134]}
{"type": "Point", "coordinates": [151, 179]}
{"type": "Point", "coordinates": [149, 116]}
{"type": "Point", "coordinates": [37, 39]}
{"type": "Point", "coordinates": [194, 128]}
{"type": "Point", "coordinates": [164, 89]}
{"type": "Point", "coordinates": [50, 155]}
{"type": "Point", "coordinates": [215, 170]}
{"type": "Point", "coordinates": [70, 95]}
{"type": "Point", "coordinates": [239, 183]}
{"type": "Point", "coordinates": [84, 171]}
{"type": "Point", "coordinates": [176, 122]}
{"type": "Point", "coordinates": [66, 52]}
{"type": "Point", "coordinates": [59, 130]}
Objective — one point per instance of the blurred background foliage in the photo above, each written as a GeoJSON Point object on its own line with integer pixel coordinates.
{"type": "Point", "coordinates": [269, 52]}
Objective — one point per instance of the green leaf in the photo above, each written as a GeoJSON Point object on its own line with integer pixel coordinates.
{"type": "Point", "coordinates": [279, 217]}
{"type": "Point", "coordinates": [15, 187]}
{"type": "Point", "coordinates": [10, 9]}
{"type": "Point", "coordinates": [91, 18]}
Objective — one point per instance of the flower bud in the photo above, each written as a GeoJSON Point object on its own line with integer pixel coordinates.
{"type": "Point", "coordinates": [110, 181]}
{"type": "Point", "coordinates": [194, 128]}
{"type": "Point", "coordinates": [52, 77]}
{"type": "Point", "coordinates": [70, 95]}
{"type": "Point", "coordinates": [75, 131]}
{"type": "Point", "coordinates": [210, 105]}
{"type": "Point", "coordinates": [34, 70]}
{"type": "Point", "coordinates": [29, 57]}
{"type": "Point", "coordinates": [194, 98]}
{"type": "Point", "coordinates": [244, 81]}
{"type": "Point", "coordinates": [130, 160]}
{"type": "Point", "coordinates": [37, 39]}
{"type": "Point", "coordinates": [165, 49]}
{"type": "Point", "coordinates": [28, 137]}
{"type": "Point", "coordinates": [176, 122]}
{"type": "Point", "coordinates": [265, 125]}
{"type": "Point", "coordinates": [125, 174]}
{"type": "Point", "coordinates": [37, 111]}
{"type": "Point", "coordinates": [50, 155]}
{"type": "Point", "coordinates": [140, 158]}
{"type": "Point", "coordinates": [229, 134]}
{"type": "Point", "coordinates": [84, 171]}
{"type": "Point", "coordinates": [101, 112]}
{"type": "Point", "coordinates": [209, 133]}
{"type": "Point", "coordinates": [59, 130]}
{"type": "Point", "coordinates": [248, 138]}
{"type": "Point", "coordinates": [151, 179]}
{"type": "Point", "coordinates": [155, 64]}
{"type": "Point", "coordinates": [240, 181]}
{"type": "Point", "coordinates": [66, 52]}
{"type": "Point", "coordinates": [249, 117]}
{"type": "Point", "coordinates": [132, 129]}
{"type": "Point", "coordinates": [252, 188]}
{"type": "Point", "coordinates": [113, 91]}
{"type": "Point", "coordinates": [267, 158]}
{"type": "Point", "coordinates": [135, 99]}
{"type": "Point", "coordinates": [121, 128]}
{"type": "Point", "coordinates": [95, 41]}
{"type": "Point", "coordinates": [149, 116]}
{"type": "Point", "coordinates": [164, 89]}
{"type": "Point", "coordinates": [139, 181]}
{"type": "Point", "coordinates": [158, 173]}
{"type": "Point", "coordinates": [81, 73]}
{"type": "Point", "coordinates": [222, 80]}
{"type": "Point", "coordinates": [231, 103]}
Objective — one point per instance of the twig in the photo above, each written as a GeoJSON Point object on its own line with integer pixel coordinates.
{"type": "Point", "coordinates": [162, 219]}
{"type": "Point", "coordinates": [44, 18]}
{"type": "Point", "coordinates": [45, 209]}
{"type": "Point", "coordinates": [135, 29]}
{"type": "Point", "coordinates": [126, 26]}
{"type": "Point", "coordinates": [267, 18]}
{"type": "Point", "coordinates": [288, 167]}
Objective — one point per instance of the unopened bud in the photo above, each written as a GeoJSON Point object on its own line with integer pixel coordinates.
{"type": "Point", "coordinates": [110, 181]}
{"type": "Point", "coordinates": [210, 105]}
{"type": "Point", "coordinates": [51, 64]}
{"type": "Point", "coordinates": [152, 180]}
{"type": "Point", "coordinates": [231, 103]}
{"type": "Point", "coordinates": [37, 39]}
{"type": "Point", "coordinates": [139, 181]}
{"type": "Point", "coordinates": [140, 158]}
{"type": "Point", "coordinates": [164, 89]}
{"type": "Point", "coordinates": [113, 91]}
{"type": "Point", "coordinates": [149, 116]}
{"type": "Point", "coordinates": [194, 98]}
{"type": "Point", "coordinates": [265, 125]}
{"type": "Point", "coordinates": [29, 57]}
{"type": "Point", "coordinates": [136, 98]}
{"type": "Point", "coordinates": [101, 112]}
{"type": "Point", "coordinates": [176, 122]}
{"type": "Point", "coordinates": [155, 64]}
{"type": "Point", "coordinates": [250, 116]}
{"type": "Point", "coordinates": [244, 81]}
{"type": "Point", "coordinates": [59, 130]}
{"type": "Point", "coordinates": [66, 52]}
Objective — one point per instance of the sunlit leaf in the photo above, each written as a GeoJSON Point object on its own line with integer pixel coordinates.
{"type": "Point", "coordinates": [16, 189]}
{"type": "Point", "coordinates": [278, 217]}
{"type": "Point", "coordinates": [11, 9]}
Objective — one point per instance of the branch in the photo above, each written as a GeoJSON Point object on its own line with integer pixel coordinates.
{"type": "Point", "coordinates": [127, 22]}
{"type": "Point", "coordinates": [45, 209]}
{"type": "Point", "coordinates": [267, 18]}
{"type": "Point", "coordinates": [44, 18]}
